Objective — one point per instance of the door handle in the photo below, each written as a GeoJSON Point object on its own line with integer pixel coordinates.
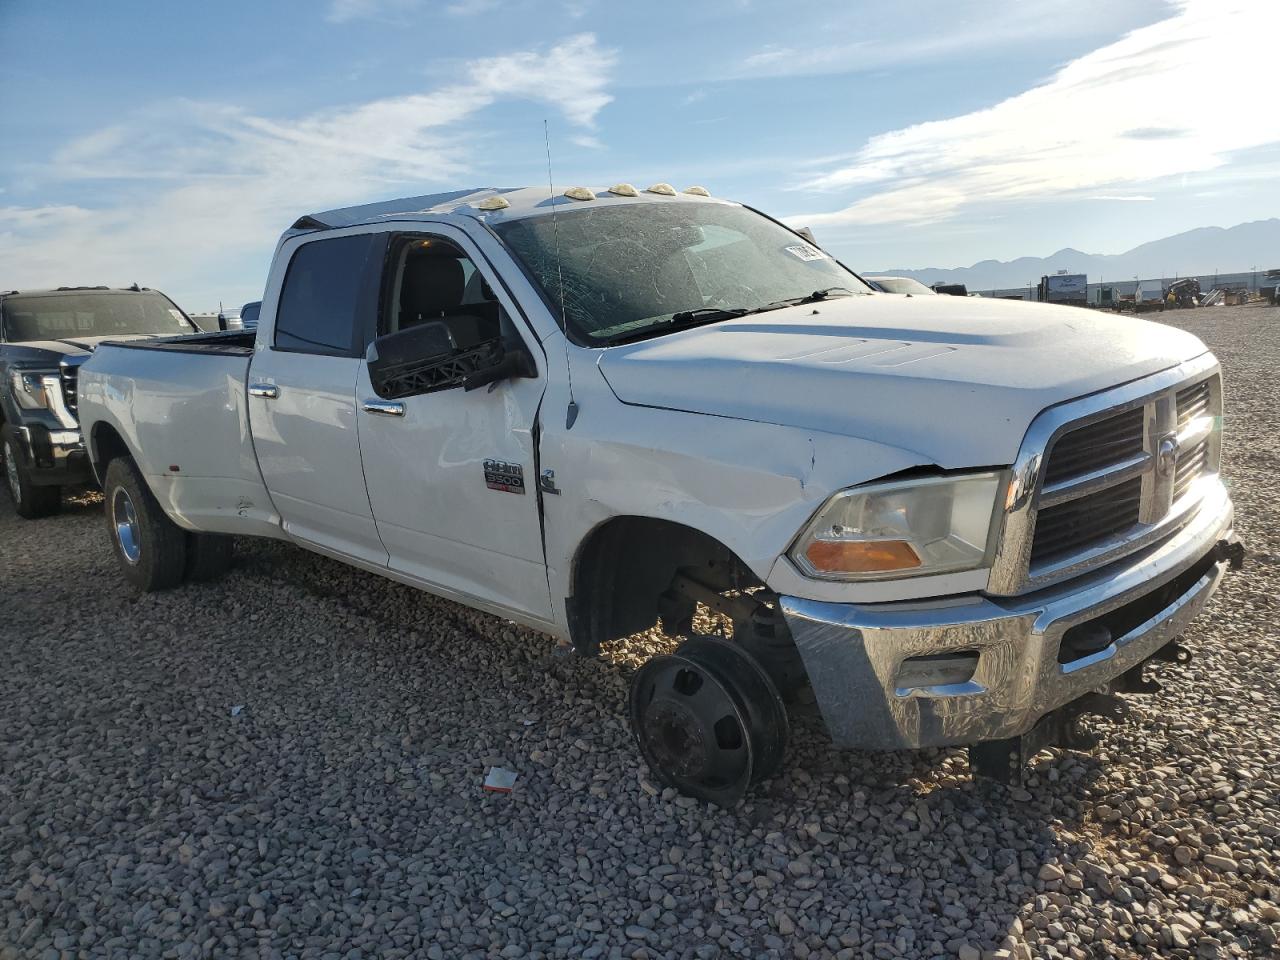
{"type": "Point", "coordinates": [267, 391]}
{"type": "Point", "coordinates": [384, 408]}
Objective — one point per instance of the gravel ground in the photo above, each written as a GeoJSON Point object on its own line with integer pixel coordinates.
{"type": "Point", "coordinates": [339, 813]}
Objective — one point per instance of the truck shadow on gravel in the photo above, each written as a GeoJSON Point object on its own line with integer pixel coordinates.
{"type": "Point", "coordinates": [900, 848]}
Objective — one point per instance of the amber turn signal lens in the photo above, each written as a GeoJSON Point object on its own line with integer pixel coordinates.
{"type": "Point", "coordinates": [861, 556]}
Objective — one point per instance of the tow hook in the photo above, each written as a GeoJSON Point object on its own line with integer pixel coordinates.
{"type": "Point", "coordinates": [1006, 760]}
{"type": "Point", "coordinates": [1173, 652]}
{"type": "Point", "coordinates": [1230, 551]}
{"type": "Point", "coordinates": [1135, 680]}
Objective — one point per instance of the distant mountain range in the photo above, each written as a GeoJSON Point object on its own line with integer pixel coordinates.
{"type": "Point", "coordinates": [1198, 252]}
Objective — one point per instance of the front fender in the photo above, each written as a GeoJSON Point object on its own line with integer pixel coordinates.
{"type": "Point", "coordinates": [751, 486]}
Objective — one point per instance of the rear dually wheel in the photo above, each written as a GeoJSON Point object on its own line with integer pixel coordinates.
{"type": "Point", "coordinates": [150, 548]}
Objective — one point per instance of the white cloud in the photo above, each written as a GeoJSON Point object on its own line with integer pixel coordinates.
{"type": "Point", "coordinates": [188, 187]}
{"type": "Point", "coordinates": [1164, 100]}
{"type": "Point", "coordinates": [20, 218]}
{"type": "Point", "coordinates": [342, 11]}
{"type": "Point", "coordinates": [470, 8]}
{"type": "Point", "coordinates": [846, 40]}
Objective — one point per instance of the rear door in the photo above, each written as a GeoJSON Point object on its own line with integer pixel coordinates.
{"type": "Point", "coordinates": [451, 474]}
{"type": "Point", "coordinates": [302, 408]}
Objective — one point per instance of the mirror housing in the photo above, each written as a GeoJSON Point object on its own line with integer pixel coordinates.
{"type": "Point", "coordinates": [516, 363]}
{"type": "Point", "coordinates": [426, 358]}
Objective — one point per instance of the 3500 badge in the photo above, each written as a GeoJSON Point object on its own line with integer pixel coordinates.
{"type": "Point", "coordinates": [507, 477]}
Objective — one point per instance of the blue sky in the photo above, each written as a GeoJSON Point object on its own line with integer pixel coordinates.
{"type": "Point", "coordinates": [172, 143]}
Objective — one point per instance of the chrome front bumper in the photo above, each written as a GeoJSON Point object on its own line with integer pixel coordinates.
{"type": "Point", "coordinates": [863, 660]}
{"type": "Point", "coordinates": [54, 456]}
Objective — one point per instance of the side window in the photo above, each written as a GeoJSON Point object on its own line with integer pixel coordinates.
{"type": "Point", "coordinates": [432, 280]}
{"type": "Point", "coordinates": [322, 295]}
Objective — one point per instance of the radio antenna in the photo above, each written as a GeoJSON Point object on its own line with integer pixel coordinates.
{"type": "Point", "coordinates": [572, 413]}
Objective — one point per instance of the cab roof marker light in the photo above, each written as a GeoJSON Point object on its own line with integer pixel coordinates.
{"type": "Point", "coordinates": [496, 202]}
{"type": "Point", "coordinates": [579, 193]}
{"type": "Point", "coordinates": [624, 190]}
{"type": "Point", "coordinates": [666, 189]}
{"type": "Point", "coordinates": [698, 191]}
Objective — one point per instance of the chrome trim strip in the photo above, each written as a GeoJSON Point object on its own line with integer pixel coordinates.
{"type": "Point", "coordinates": [52, 383]}
{"type": "Point", "coordinates": [966, 689]}
{"type": "Point", "coordinates": [1157, 486]}
{"type": "Point", "coordinates": [1077, 487]}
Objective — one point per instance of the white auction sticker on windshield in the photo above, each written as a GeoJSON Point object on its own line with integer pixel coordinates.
{"type": "Point", "coordinates": [806, 251]}
{"type": "Point", "coordinates": [177, 315]}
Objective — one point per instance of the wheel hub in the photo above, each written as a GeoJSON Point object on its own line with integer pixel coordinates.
{"type": "Point", "coordinates": [677, 738]}
{"type": "Point", "coordinates": [125, 519]}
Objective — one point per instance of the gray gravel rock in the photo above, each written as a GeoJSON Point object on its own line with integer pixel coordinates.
{"type": "Point", "coordinates": [340, 813]}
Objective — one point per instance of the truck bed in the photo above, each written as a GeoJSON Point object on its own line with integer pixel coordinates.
{"type": "Point", "coordinates": [180, 405]}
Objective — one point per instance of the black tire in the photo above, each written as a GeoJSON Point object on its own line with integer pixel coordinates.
{"type": "Point", "coordinates": [151, 548]}
{"type": "Point", "coordinates": [209, 556]}
{"type": "Point", "coordinates": [29, 500]}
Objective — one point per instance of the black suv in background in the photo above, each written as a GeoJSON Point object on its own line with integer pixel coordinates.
{"type": "Point", "coordinates": [44, 337]}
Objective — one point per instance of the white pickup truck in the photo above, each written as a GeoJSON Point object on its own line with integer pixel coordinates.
{"type": "Point", "coordinates": [959, 521]}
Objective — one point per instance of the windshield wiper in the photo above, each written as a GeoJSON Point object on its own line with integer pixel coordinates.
{"type": "Point", "coordinates": [827, 292]}
{"type": "Point", "coordinates": [684, 319]}
{"type": "Point", "coordinates": [681, 320]}
{"type": "Point", "coordinates": [815, 297]}
{"type": "Point", "coordinates": [710, 314]}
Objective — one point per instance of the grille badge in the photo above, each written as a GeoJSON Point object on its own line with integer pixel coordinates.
{"type": "Point", "coordinates": [1167, 455]}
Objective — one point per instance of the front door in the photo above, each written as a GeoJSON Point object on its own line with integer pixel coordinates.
{"type": "Point", "coordinates": [451, 474]}
{"type": "Point", "coordinates": [302, 394]}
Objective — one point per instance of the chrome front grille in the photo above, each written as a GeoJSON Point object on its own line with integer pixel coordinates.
{"type": "Point", "coordinates": [1063, 529]}
{"type": "Point", "coordinates": [70, 380]}
{"type": "Point", "coordinates": [1102, 477]}
{"type": "Point", "coordinates": [1192, 465]}
{"type": "Point", "coordinates": [1096, 446]}
{"type": "Point", "coordinates": [1194, 401]}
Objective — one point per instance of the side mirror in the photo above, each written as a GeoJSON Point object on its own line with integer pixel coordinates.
{"type": "Point", "coordinates": [413, 361]}
{"type": "Point", "coordinates": [425, 358]}
{"type": "Point", "coordinates": [516, 363]}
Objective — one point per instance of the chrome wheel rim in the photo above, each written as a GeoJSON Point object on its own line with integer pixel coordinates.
{"type": "Point", "coordinates": [11, 472]}
{"type": "Point", "coordinates": [125, 519]}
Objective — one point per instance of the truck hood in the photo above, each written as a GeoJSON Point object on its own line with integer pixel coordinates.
{"type": "Point", "coordinates": [954, 381]}
{"type": "Point", "coordinates": [52, 351]}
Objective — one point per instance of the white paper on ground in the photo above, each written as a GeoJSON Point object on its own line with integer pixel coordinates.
{"type": "Point", "coordinates": [500, 780]}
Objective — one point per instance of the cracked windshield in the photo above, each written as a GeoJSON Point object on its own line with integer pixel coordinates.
{"type": "Point", "coordinates": [637, 270]}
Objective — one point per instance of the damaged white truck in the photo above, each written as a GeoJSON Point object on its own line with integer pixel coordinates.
{"type": "Point", "coordinates": [961, 521]}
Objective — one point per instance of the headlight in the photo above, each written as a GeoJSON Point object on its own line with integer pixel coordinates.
{"type": "Point", "coordinates": [31, 388]}
{"type": "Point", "coordinates": [905, 529]}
